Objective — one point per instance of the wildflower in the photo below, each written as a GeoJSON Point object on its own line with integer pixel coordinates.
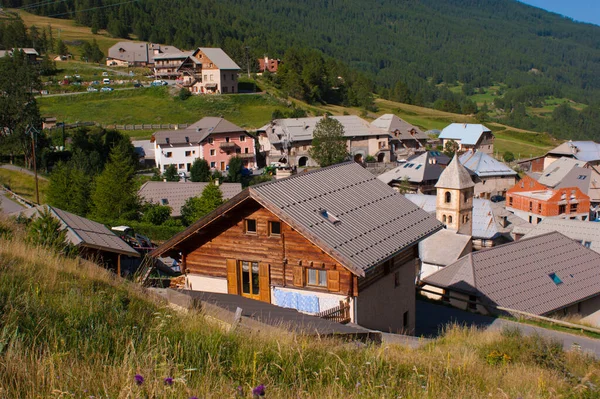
{"type": "Point", "coordinates": [139, 380]}
{"type": "Point", "coordinates": [194, 397]}
{"type": "Point", "coordinates": [240, 391]}
{"type": "Point", "coordinates": [168, 381]}
{"type": "Point", "coordinates": [258, 391]}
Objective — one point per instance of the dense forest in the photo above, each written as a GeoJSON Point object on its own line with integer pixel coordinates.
{"type": "Point", "coordinates": [471, 41]}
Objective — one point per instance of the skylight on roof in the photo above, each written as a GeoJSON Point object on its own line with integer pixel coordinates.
{"type": "Point", "coordinates": [581, 177]}
{"type": "Point", "coordinates": [555, 279]}
{"type": "Point", "coordinates": [418, 166]}
{"type": "Point", "coordinates": [329, 216]}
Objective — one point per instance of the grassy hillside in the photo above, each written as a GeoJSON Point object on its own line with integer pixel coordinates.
{"type": "Point", "coordinates": [70, 329]}
{"type": "Point", "coordinates": [23, 184]}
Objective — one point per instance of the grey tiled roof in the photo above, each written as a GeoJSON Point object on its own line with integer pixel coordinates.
{"type": "Point", "coordinates": [517, 275]}
{"type": "Point", "coordinates": [219, 58]}
{"type": "Point", "coordinates": [443, 247]}
{"type": "Point", "coordinates": [466, 133]}
{"type": "Point", "coordinates": [417, 170]}
{"type": "Point", "coordinates": [455, 176]}
{"type": "Point", "coordinates": [301, 129]}
{"type": "Point", "coordinates": [577, 230]}
{"type": "Point", "coordinates": [213, 124]}
{"type": "Point", "coordinates": [86, 233]}
{"type": "Point", "coordinates": [558, 170]}
{"type": "Point", "coordinates": [176, 193]}
{"type": "Point", "coordinates": [484, 165]}
{"type": "Point", "coordinates": [393, 123]}
{"type": "Point", "coordinates": [582, 150]}
{"type": "Point", "coordinates": [138, 51]}
{"type": "Point", "coordinates": [367, 221]}
{"type": "Point", "coordinates": [181, 136]}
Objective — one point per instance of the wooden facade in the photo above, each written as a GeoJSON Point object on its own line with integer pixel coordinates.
{"type": "Point", "coordinates": [283, 260]}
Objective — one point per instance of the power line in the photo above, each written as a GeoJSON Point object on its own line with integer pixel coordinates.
{"type": "Point", "coordinates": [40, 4]}
{"type": "Point", "coordinates": [90, 9]}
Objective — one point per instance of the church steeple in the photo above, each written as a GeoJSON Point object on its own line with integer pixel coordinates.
{"type": "Point", "coordinates": [454, 204]}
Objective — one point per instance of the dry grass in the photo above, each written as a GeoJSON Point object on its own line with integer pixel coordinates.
{"type": "Point", "coordinates": [69, 329]}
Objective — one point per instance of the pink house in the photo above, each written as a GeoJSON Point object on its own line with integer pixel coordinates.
{"type": "Point", "coordinates": [214, 139]}
{"type": "Point", "coordinates": [223, 140]}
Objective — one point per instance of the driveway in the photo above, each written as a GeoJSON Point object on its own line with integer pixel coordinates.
{"type": "Point", "coordinates": [8, 206]}
{"type": "Point", "coordinates": [431, 318]}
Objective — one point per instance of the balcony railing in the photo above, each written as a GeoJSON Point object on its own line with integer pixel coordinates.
{"type": "Point", "coordinates": [227, 144]}
{"type": "Point", "coordinates": [245, 155]}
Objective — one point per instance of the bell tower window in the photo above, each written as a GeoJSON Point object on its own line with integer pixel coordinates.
{"type": "Point", "coordinates": [448, 197]}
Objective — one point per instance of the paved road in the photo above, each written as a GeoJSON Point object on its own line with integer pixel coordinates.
{"type": "Point", "coordinates": [431, 318]}
{"type": "Point", "coordinates": [75, 93]}
{"type": "Point", "coordinates": [7, 205]}
{"type": "Point", "coordinates": [22, 170]}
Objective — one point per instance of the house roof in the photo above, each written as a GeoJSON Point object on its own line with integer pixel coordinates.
{"type": "Point", "coordinates": [181, 136]}
{"type": "Point", "coordinates": [393, 123]}
{"type": "Point", "coordinates": [455, 176]}
{"type": "Point", "coordinates": [418, 169]}
{"type": "Point", "coordinates": [557, 170]}
{"type": "Point", "coordinates": [139, 51]}
{"type": "Point", "coordinates": [343, 209]}
{"type": "Point", "coordinates": [583, 150]}
{"type": "Point", "coordinates": [219, 58]}
{"type": "Point", "coordinates": [213, 124]}
{"type": "Point", "coordinates": [301, 129]}
{"type": "Point", "coordinates": [467, 133]}
{"type": "Point", "coordinates": [443, 247]}
{"type": "Point", "coordinates": [518, 275]}
{"type": "Point", "coordinates": [577, 230]}
{"type": "Point", "coordinates": [144, 148]}
{"type": "Point", "coordinates": [174, 194]}
{"type": "Point", "coordinates": [484, 165]}
{"type": "Point", "coordinates": [484, 221]}
{"type": "Point", "coordinates": [83, 232]}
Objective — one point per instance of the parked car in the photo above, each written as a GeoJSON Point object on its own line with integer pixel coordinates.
{"type": "Point", "coordinates": [105, 81]}
{"type": "Point", "coordinates": [497, 198]}
{"type": "Point", "coordinates": [138, 85]}
{"type": "Point", "coordinates": [106, 89]}
{"type": "Point", "coordinates": [104, 73]}
{"type": "Point", "coordinates": [92, 89]}
{"type": "Point", "coordinates": [278, 165]}
{"type": "Point", "coordinates": [158, 82]}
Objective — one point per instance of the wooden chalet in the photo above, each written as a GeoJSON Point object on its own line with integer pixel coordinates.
{"type": "Point", "coordinates": [335, 240]}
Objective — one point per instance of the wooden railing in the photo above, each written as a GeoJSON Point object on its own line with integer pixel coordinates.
{"type": "Point", "coordinates": [339, 314]}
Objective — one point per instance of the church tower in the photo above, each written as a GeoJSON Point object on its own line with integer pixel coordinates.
{"type": "Point", "coordinates": [454, 204]}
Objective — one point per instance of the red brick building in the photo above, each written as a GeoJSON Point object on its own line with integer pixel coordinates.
{"type": "Point", "coordinates": [269, 64]}
{"type": "Point", "coordinates": [533, 201]}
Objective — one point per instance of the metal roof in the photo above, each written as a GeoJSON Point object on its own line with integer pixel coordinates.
{"type": "Point", "coordinates": [174, 194]}
{"type": "Point", "coordinates": [144, 148]}
{"type": "Point", "coordinates": [417, 170]}
{"type": "Point", "coordinates": [519, 275]}
{"type": "Point", "coordinates": [343, 209]}
{"type": "Point", "coordinates": [83, 232]}
{"type": "Point", "coordinates": [139, 51]}
{"type": "Point", "coordinates": [578, 230]}
{"type": "Point", "coordinates": [455, 176]}
{"type": "Point", "coordinates": [301, 129]}
{"type": "Point", "coordinates": [213, 124]}
{"type": "Point", "coordinates": [557, 170]}
{"type": "Point", "coordinates": [219, 58]}
{"type": "Point", "coordinates": [484, 165]}
{"type": "Point", "coordinates": [393, 123]}
{"type": "Point", "coordinates": [181, 136]}
{"type": "Point", "coordinates": [583, 150]}
{"type": "Point", "coordinates": [443, 247]}
{"type": "Point", "coordinates": [198, 131]}
{"type": "Point", "coordinates": [466, 133]}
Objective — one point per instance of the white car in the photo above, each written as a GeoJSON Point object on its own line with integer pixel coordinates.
{"type": "Point", "coordinates": [104, 73]}
{"type": "Point", "coordinates": [92, 89]}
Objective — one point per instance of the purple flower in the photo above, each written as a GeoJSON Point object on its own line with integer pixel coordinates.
{"type": "Point", "coordinates": [168, 381]}
{"type": "Point", "coordinates": [240, 391]}
{"type": "Point", "coordinates": [259, 391]}
{"type": "Point", "coordinates": [193, 397]}
{"type": "Point", "coordinates": [139, 380]}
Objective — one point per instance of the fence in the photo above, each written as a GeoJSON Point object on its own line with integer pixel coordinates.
{"type": "Point", "coordinates": [339, 314]}
{"type": "Point", "coordinates": [166, 126]}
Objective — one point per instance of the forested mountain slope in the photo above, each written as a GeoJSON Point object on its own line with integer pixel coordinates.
{"type": "Point", "coordinates": [471, 41]}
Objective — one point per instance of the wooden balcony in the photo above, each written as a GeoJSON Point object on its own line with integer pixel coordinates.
{"type": "Point", "coordinates": [227, 145]}
{"type": "Point", "coordinates": [245, 155]}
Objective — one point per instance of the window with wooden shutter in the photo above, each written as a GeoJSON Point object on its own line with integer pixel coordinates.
{"type": "Point", "coordinates": [264, 282]}
{"type": "Point", "coordinates": [232, 277]}
{"type": "Point", "coordinates": [333, 280]}
{"type": "Point", "coordinates": [298, 276]}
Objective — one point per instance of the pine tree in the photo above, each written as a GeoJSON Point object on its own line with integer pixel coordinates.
{"type": "Point", "coordinates": [114, 192]}
{"type": "Point", "coordinates": [234, 170]}
{"type": "Point", "coordinates": [171, 173]}
{"type": "Point", "coordinates": [196, 207]}
{"type": "Point", "coordinates": [329, 143]}
{"type": "Point", "coordinates": [200, 171]}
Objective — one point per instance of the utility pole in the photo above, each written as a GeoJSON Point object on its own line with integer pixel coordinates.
{"type": "Point", "coordinates": [33, 130]}
{"type": "Point", "coordinates": [248, 60]}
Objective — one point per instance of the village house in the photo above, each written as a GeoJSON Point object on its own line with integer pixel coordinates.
{"type": "Point", "coordinates": [214, 139]}
{"type": "Point", "coordinates": [137, 53]}
{"type": "Point", "coordinates": [166, 65]}
{"type": "Point", "coordinates": [548, 275]}
{"type": "Point", "coordinates": [92, 239]}
{"type": "Point", "coordinates": [174, 194]}
{"type": "Point", "coordinates": [218, 72]}
{"type": "Point", "coordinates": [418, 174]}
{"type": "Point", "coordinates": [291, 140]}
{"type": "Point", "coordinates": [31, 54]}
{"type": "Point", "coordinates": [405, 138]}
{"type": "Point", "coordinates": [315, 241]}
{"type": "Point", "coordinates": [268, 64]}
{"type": "Point", "coordinates": [469, 136]}
{"type": "Point", "coordinates": [533, 201]}
{"type": "Point", "coordinates": [491, 177]}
